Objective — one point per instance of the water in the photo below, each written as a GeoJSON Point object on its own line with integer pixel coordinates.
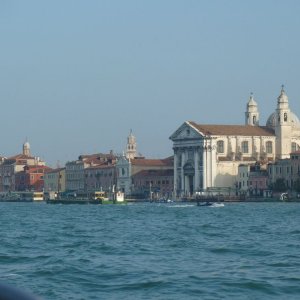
{"type": "Point", "coordinates": [152, 251]}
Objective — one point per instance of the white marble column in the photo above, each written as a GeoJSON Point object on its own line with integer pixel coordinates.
{"type": "Point", "coordinates": [196, 166]}
{"type": "Point", "coordinates": [204, 167]}
{"type": "Point", "coordinates": [186, 185]}
{"type": "Point", "coordinates": [182, 171]}
{"type": "Point", "coordinates": [175, 172]}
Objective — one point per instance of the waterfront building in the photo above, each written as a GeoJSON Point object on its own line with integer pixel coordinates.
{"type": "Point", "coordinates": [243, 178]}
{"type": "Point", "coordinates": [101, 177]}
{"type": "Point", "coordinates": [55, 180]}
{"type": "Point", "coordinates": [209, 155]}
{"type": "Point", "coordinates": [31, 178]}
{"type": "Point", "coordinates": [286, 171]}
{"type": "Point", "coordinates": [127, 168]}
{"type": "Point", "coordinates": [153, 184]}
{"type": "Point", "coordinates": [75, 175]}
{"type": "Point", "coordinates": [252, 180]}
{"type": "Point", "coordinates": [280, 170]}
{"type": "Point", "coordinates": [14, 164]}
{"type": "Point", "coordinates": [295, 169]}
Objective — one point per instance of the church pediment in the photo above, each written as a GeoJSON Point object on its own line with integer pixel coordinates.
{"type": "Point", "coordinates": [185, 131]}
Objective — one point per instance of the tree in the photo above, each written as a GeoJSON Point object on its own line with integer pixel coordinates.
{"type": "Point", "coordinates": [279, 185]}
{"type": "Point", "coordinates": [296, 185]}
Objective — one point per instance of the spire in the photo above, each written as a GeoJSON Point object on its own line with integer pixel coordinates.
{"type": "Point", "coordinates": [283, 98]}
{"type": "Point", "coordinates": [131, 146]}
{"type": "Point", "coordinates": [252, 113]}
{"type": "Point", "coordinates": [251, 101]}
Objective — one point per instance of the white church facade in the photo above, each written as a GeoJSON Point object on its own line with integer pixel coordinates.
{"type": "Point", "coordinates": [208, 156]}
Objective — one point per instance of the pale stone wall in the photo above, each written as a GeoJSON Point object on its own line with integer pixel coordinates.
{"type": "Point", "coordinates": [55, 181]}
{"type": "Point", "coordinates": [227, 173]}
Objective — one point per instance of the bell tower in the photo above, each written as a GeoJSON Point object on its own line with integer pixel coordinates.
{"type": "Point", "coordinates": [252, 114]}
{"type": "Point", "coordinates": [131, 146]}
{"type": "Point", "coordinates": [26, 148]}
{"type": "Point", "coordinates": [283, 128]}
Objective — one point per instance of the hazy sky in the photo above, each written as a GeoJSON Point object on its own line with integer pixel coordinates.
{"type": "Point", "coordinates": [76, 76]}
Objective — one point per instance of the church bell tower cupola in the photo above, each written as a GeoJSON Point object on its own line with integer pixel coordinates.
{"type": "Point", "coordinates": [131, 151]}
{"type": "Point", "coordinates": [252, 113]}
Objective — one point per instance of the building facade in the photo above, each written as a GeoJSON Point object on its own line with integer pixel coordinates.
{"type": "Point", "coordinates": [101, 177]}
{"type": "Point", "coordinates": [209, 155]}
{"type": "Point", "coordinates": [286, 171]}
{"type": "Point", "coordinates": [252, 180]}
{"type": "Point", "coordinates": [31, 178]}
{"type": "Point", "coordinates": [127, 168]}
{"type": "Point", "coordinates": [55, 180]}
{"type": "Point", "coordinates": [75, 170]}
{"type": "Point", "coordinates": [153, 184]}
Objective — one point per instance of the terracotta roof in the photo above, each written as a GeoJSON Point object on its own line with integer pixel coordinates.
{"type": "Point", "coordinates": [21, 156]}
{"type": "Point", "coordinates": [245, 130]}
{"type": "Point", "coordinates": [151, 162]}
{"type": "Point", "coordinates": [54, 170]}
{"type": "Point", "coordinates": [37, 167]}
{"type": "Point", "coordinates": [99, 156]}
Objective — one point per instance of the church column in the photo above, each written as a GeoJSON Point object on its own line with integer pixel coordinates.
{"type": "Point", "coordinates": [196, 164]}
{"type": "Point", "coordinates": [213, 163]}
{"type": "Point", "coordinates": [209, 164]}
{"type": "Point", "coordinates": [204, 166]}
{"type": "Point", "coordinates": [182, 171]}
{"type": "Point", "coordinates": [186, 185]}
{"type": "Point", "coordinates": [175, 172]}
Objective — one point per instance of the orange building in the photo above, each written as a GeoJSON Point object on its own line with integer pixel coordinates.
{"type": "Point", "coordinates": [31, 179]}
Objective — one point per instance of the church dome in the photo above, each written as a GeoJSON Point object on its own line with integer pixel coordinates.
{"type": "Point", "coordinates": [272, 120]}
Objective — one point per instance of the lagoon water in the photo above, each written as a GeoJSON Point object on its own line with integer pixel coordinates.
{"type": "Point", "coordinates": [152, 251]}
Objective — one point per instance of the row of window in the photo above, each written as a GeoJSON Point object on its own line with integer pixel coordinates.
{"type": "Point", "coordinates": [244, 147]}
{"type": "Point", "coordinates": [153, 182]}
{"type": "Point", "coordinates": [98, 174]}
{"type": "Point", "coordinates": [289, 169]}
{"type": "Point", "coordinates": [255, 184]}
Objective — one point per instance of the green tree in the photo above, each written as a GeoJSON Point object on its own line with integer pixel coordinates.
{"type": "Point", "coordinates": [279, 185]}
{"type": "Point", "coordinates": [296, 185]}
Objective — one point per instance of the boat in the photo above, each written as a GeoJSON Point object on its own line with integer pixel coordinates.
{"type": "Point", "coordinates": [211, 204]}
{"type": "Point", "coordinates": [75, 198]}
{"type": "Point", "coordinates": [97, 197]}
{"type": "Point", "coordinates": [73, 201]}
{"type": "Point", "coordinates": [206, 203]}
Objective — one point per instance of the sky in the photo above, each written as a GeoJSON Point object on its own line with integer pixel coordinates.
{"type": "Point", "coordinates": [76, 76]}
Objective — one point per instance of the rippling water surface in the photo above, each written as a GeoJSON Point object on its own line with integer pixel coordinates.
{"type": "Point", "coordinates": [152, 251]}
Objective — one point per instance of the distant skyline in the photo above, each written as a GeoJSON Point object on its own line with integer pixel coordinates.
{"type": "Point", "coordinates": [76, 76]}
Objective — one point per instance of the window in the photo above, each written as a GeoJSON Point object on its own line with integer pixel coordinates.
{"type": "Point", "coordinates": [269, 147]}
{"type": "Point", "coordinates": [285, 117]}
{"type": "Point", "coordinates": [220, 146]}
{"type": "Point", "coordinates": [245, 148]}
{"type": "Point", "coordinates": [295, 147]}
